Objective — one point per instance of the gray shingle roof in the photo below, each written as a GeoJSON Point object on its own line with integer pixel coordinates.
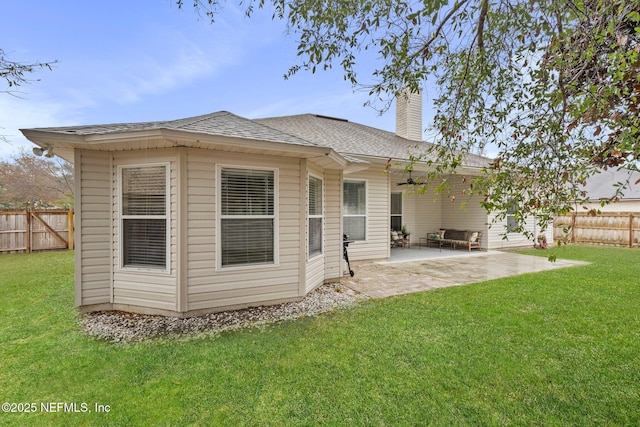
{"type": "Point", "coordinates": [352, 140]}
{"type": "Point", "coordinates": [348, 138]}
{"type": "Point", "coordinates": [602, 185]}
{"type": "Point", "coordinates": [221, 123]}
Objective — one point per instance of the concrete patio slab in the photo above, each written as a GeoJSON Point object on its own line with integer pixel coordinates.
{"type": "Point", "coordinates": [384, 278]}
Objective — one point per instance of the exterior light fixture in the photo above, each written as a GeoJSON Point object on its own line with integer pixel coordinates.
{"type": "Point", "coordinates": [47, 150]}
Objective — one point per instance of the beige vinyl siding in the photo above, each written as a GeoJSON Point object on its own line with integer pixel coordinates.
{"type": "Point", "coordinates": [140, 287]}
{"type": "Point", "coordinates": [421, 214]}
{"type": "Point", "coordinates": [619, 206]}
{"type": "Point", "coordinates": [409, 115]}
{"type": "Point", "coordinates": [514, 240]}
{"type": "Point", "coordinates": [376, 245]}
{"type": "Point", "coordinates": [315, 273]}
{"type": "Point", "coordinates": [464, 212]}
{"type": "Point", "coordinates": [93, 243]}
{"type": "Point", "coordinates": [333, 224]}
{"type": "Point", "coordinates": [212, 288]}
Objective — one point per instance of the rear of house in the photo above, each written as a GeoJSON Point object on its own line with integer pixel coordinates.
{"type": "Point", "coordinates": [220, 212]}
{"type": "Point", "coordinates": [376, 196]}
{"type": "Point", "coordinates": [170, 222]}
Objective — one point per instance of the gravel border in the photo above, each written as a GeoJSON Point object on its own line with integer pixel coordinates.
{"type": "Point", "coordinates": [123, 327]}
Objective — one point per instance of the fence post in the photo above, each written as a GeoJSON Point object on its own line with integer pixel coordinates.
{"type": "Point", "coordinates": [573, 227]}
{"type": "Point", "coordinates": [631, 230]}
{"type": "Point", "coordinates": [27, 237]}
{"type": "Point", "coordinates": [70, 232]}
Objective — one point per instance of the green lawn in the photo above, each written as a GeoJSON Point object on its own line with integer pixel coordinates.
{"type": "Point", "coordinates": [555, 348]}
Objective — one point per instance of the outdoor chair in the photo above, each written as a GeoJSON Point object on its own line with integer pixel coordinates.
{"type": "Point", "coordinates": [396, 239]}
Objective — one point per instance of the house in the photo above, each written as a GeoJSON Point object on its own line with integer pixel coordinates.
{"type": "Point", "coordinates": [220, 212]}
{"type": "Point", "coordinates": [602, 187]}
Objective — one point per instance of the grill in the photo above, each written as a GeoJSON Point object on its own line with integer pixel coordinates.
{"type": "Point", "coordinates": [345, 253]}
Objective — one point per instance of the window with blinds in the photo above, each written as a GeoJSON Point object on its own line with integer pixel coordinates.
{"type": "Point", "coordinates": [144, 216]}
{"type": "Point", "coordinates": [247, 216]}
{"type": "Point", "coordinates": [315, 216]}
{"type": "Point", "coordinates": [355, 209]}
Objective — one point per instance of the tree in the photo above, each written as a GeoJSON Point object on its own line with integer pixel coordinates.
{"type": "Point", "coordinates": [552, 86]}
{"type": "Point", "coordinates": [17, 73]}
{"type": "Point", "coordinates": [30, 182]}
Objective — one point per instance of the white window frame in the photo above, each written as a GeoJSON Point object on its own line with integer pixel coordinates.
{"type": "Point", "coordinates": [167, 217]}
{"type": "Point", "coordinates": [391, 208]}
{"type": "Point", "coordinates": [366, 208]}
{"type": "Point", "coordinates": [220, 217]}
{"type": "Point", "coordinates": [316, 216]}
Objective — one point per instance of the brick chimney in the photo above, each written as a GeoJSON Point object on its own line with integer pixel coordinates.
{"type": "Point", "coordinates": [409, 115]}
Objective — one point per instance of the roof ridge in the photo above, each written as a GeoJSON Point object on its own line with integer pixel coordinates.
{"type": "Point", "coordinates": [257, 121]}
{"type": "Point", "coordinates": [187, 121]}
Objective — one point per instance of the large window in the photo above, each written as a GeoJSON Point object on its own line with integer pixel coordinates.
{"type": "Point", "coordinates": [144, 213]}
{"type": "Point", "coordinates": [396, 211]}
{"type": "Point", "coordinates": [315, 216]}
{"type": "Point", "coordinates": [355, 209]}
{"type": "Point", "coordinates": [247, 217]}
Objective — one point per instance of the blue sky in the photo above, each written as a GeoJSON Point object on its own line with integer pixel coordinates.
{"type": "Point", "coordinates": [144, 60]}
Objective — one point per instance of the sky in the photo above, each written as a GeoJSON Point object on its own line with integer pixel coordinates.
{"type": "Point", "coordinates": [125, 61]}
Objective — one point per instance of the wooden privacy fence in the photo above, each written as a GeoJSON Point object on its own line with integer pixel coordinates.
{"type": "Point", "coordinates": [37, 230]}
{"type": "Point", "coordinates": [607, 228]}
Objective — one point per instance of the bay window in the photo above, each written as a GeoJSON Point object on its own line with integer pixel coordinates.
{"type": "Point", "coordinates": [315, 216]}
{"type": "Point", "coordinates": [247, 217]}
{"type": "Point", "coordinates": [144, 215]}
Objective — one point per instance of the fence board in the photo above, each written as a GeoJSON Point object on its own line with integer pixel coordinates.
{"type": "Point", "coordinates": [607, 228]}
{"type": "Point", "coordinates": [38, 230]}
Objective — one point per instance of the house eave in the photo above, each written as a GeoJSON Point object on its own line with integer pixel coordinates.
{"type": "Point", "coordinates": [166, 138]}
{"type": "Point", "coordinates": [399, 164]}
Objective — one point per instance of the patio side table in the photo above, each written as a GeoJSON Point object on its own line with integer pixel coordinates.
{"type": "Point", "coordinates": [433, 241]}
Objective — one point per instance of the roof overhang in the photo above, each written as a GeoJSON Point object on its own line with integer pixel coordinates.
{"type": "Point", "coordinates": [399, 165]}
{"type": "Point", "coordinates": [64, 144]}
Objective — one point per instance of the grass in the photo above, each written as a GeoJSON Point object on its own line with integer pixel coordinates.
{"type": "Point", "coordinates": [555, 348]}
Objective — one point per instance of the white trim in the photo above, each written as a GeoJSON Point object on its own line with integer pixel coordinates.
{"type": "Point", "coordinates": [167, 268]}
{"type": "Point", "coordinates": [220, 217]}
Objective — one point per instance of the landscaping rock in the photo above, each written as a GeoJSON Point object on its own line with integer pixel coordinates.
{"type": "Point", "coordinates": [119, 326]}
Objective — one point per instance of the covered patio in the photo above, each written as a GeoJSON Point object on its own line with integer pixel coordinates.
{"type": "Point", "coordinates": [415, 253]}
{"type": "Point", "coordinates": [416, 270]}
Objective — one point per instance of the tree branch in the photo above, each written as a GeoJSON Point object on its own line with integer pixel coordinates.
{"type": "Point", "coordinates": [484, 9]}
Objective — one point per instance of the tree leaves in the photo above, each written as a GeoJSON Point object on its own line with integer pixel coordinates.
{"type": "Point", "coordinates": [35, 182]}
{"type": "Point", "coordinates": [550, 88]}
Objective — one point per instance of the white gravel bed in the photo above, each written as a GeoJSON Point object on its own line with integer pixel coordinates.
{"type": "Point", "coordinates": [119, 326]}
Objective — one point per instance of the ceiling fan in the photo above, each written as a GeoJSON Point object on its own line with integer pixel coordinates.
{"type": "Point", "coordinates": [410, 181]}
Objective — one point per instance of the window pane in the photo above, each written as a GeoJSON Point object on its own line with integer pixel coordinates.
{"type": "Point", "coordinates": [396, 203]}
{"type": "Point", "coordinates": [354, 227]}
{"type": "Point", "coordinates": [315, 196]}
{"type": "Point", "coordinates": [144, 242]}
{"type": "Point", "coordinates": [511, 219]}
{"type": "Point", "coordinates": [315, 236]}
{"type": "Point", "coordinates": [144, 191]}
{"type": "Point", "coordinates": [396, 223]}
{"type": "Point", "coordinates": [247, 192]}
{"type": "Point", "coordinates": [247, 241]}
{"type": "Point", "coordinates": [354, 198]}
